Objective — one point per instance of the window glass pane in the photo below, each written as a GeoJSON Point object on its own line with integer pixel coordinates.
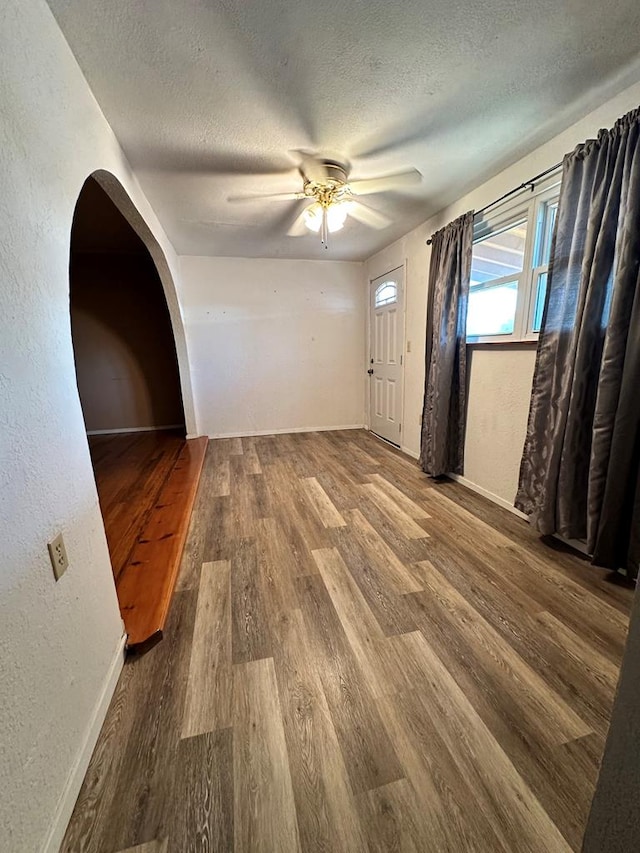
{"type": "Point", "coordinates": [541, 292]}
{"type": "Point", "coordinates": [499, 255]}
{"type": "Point", "coordinates": [544, 233]}
{"type": "Point", "coordinates": [492, 310]}
{"type": "Point", "coordinates": [386, 293]}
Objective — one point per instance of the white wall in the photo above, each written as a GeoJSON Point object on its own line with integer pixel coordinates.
{"type": "Point", "coordinates": [500, 379]}
{"type": "Point", "coordinates": [275, 345]}
{"type": "Point", "coordinates": [59, 642]}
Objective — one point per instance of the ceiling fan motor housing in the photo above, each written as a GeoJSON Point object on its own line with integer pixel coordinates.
{"type": "Point", "coordinates": [332, 187]}
{"type": "Point", "coordinates": [336, 172]}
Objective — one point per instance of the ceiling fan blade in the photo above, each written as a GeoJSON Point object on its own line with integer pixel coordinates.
{"type": "Point", "coordinates": [267, 196]}
{"type": "Point", "coordinates": [298, 227]}
{"type": "Point", "coordinates": [367, 215]}
{"type": "Point", "coordinates": [368, 186]}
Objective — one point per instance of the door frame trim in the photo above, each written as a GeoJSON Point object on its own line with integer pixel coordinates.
{"type": "Point", "coordinates": [402, 266]}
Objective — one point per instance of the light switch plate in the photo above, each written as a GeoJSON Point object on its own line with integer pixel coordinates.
{"type": "Point", "coordinates": [58, 555]}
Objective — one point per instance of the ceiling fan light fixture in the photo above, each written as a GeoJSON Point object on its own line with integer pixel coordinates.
{"type": "Point", "coordinates": [336, 216]}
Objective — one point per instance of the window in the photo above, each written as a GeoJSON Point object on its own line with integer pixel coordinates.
{"type": "Point", "coordinates": [496, 271]}
{"type": "Point", "coordinates": [509, 271]}
{"type": "Point", "coordinates": [386, 293]}
{"type": "Point", "coordinates": [546, 222]}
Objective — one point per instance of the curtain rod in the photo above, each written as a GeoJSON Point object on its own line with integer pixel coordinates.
{"type": "Point", "coordinates": [530, 183]}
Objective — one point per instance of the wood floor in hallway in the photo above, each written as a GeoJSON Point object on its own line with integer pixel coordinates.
{"type": "Point", "coordinates": [358, 659]}
{"type": "Point", "coordinates": [130, 470]}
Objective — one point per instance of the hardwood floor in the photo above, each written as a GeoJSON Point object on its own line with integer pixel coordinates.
{"type": "Point", "coordinates": [358, 659]}
{"type": "Point", "coordinates": [147, 485]}
{"type": "Point", "coordinates": [130, 469]}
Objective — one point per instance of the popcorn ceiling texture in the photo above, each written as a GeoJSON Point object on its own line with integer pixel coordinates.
{"type": "Point", "coordinates": [457, 88]}
{"type": "Point", "coordinates": [57, 640]}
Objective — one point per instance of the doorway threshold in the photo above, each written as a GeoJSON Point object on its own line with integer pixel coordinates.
{"type": "Point", "coordinates": [386, 440]}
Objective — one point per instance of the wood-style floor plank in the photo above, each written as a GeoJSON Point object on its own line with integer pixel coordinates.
{"type": "Point", "coordinates": [368, 753]}
{"type": "Point", "coordinates": [264, 813]}
{"type": "Point", "coordinates": [401, 578]}
{"type": "Point", "coordinates": [543, 712]}
{"type": "Point", "coordinates": [611, 587]}
{"type": "Point", "coordinates": [540, 577]}
{"type": "Point", "coordinates": [319, 500]}
{"type": "Point", "coordinates": [363, 631]}
{"type": "Point", "coordinates": [290, 507]}
{"type": "Point", "coordinates": [390, 815]}
{"type": "Point", "coordinates": [203, 805]}
{"type": "Point", "coordinates": [516, 817]}
{"type": "Point", "coordinates": [149, 847]}
{"type": "Point", "coordinates": [277, 569]}
{"type": "Point", "coordinates": [221, 482]}
{"type": "Point", "coordinates": [209, 687]}
{"type": "Point", "coordinates": [326, 808]}
{"type": "Point", "coordinates": [358, 659]}
{"type": "Point", "coordinates": [515, 616]}
{"type": "Point", "coordinates": [251, 458]}
{"type": "Point", "coordinates": [389, 506]}
{"type": "Point", "coordinates": [447, 813]}
{"type": "Point", "coordinates": [251, 636]}
{"type": "Point", "coordinates": [411, 508]}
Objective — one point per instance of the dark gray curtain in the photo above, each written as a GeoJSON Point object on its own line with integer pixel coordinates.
{"type": "Point", "coordinates": [444, 412]}
{"type": "Point", "coordinates": [581, 461]}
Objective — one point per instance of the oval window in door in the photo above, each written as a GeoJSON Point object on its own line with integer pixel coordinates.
{"type": "Point", "coordinates": [386, 293]}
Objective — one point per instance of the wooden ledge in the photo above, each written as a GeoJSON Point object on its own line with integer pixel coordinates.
{"type": "Point", "coordinates": [145, 585]}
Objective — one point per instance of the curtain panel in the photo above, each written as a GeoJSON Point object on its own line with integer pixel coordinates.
{"type": "Point", "coordinates": [444, 411]}
{"type": "Point", "coordinates": [581, 461]}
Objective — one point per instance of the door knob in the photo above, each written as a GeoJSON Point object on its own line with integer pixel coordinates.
{"type": "Point", "coordinates": [370, 371]}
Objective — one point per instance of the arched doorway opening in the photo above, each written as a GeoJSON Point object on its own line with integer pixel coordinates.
{"type": "Point", "coordinates": [130, 390]}
{"type": "Point", "coordinates": [126, 360]}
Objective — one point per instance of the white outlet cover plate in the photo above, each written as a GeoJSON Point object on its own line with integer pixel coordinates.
{"type": "Point", "coordinates": [58, 556]}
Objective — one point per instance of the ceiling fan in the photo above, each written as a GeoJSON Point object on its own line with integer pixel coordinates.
{"type": "Point", "coordinates": [332, 197]}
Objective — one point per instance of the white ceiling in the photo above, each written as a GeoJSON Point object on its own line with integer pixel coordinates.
{"type": "Point", "coordinates": [208, 96]}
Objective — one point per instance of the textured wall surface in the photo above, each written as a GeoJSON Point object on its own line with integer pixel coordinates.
{"type": "Point", "coordinates": [57, 640]}
{"type": "Point", "coordinates": [498, 407]}
{"type": "Point", "coordinates": [500, 380]}
{"type": "Point", "coordinates": [274, 344]}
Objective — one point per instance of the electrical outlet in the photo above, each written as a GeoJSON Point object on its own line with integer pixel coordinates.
{"type": "Point", "coordinates": [58, 555]}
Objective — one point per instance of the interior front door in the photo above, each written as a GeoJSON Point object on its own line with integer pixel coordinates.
{"type": "Point", "coordinates": [386, 335]}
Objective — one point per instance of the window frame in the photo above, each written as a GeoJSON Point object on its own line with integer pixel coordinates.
{"type": "Point", "coordinates": [527, 210]}
{"type": "Point", "coordinates": [390, 301]}
{"type": "Point", "coordinates": [544, 202]}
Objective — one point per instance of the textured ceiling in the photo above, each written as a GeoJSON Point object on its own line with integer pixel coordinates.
{"type": "Point", "coordinates": [207, 97]}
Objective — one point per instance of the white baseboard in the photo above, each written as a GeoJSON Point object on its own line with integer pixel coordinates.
{"type": "Point", "coordinates": [250, 434]}
{"type": "Point", "coordinates": [133, 429]}
{"type": "Point", "coordinates": [496, 499]}
{"type": "Point", "coordinates": [474, 487]}
{"type": "Point", "coordinates": [410, 453]}
{"type": "Point", "coordinates": [76, 776]}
